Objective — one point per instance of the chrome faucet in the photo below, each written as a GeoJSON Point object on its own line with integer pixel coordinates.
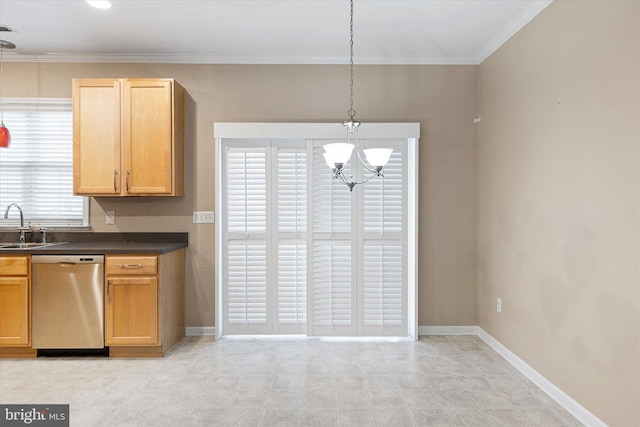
{"type": "Point", "coordinates": [22, 228]}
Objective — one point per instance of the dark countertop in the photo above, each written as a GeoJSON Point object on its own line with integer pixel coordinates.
{"type": "Point", "coordinates": [86, 243]}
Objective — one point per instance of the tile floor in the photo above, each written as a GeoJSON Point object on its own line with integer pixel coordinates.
{"type": "Point", "coordinates": [436, 381]}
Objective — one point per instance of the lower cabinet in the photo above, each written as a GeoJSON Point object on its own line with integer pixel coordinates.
{"type": "Point", "coordinates": [15, 307]}
{"type": "Point", "coordinates": [132, 311]}
{"type": "Point", "coordinates": [144, 303]}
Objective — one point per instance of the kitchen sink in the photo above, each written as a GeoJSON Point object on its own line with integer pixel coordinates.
{"type": "Point", "coordinates": [31, 245]}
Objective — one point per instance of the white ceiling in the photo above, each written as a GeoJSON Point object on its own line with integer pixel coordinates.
{"type": "Point", "coordinates": [263, 31]}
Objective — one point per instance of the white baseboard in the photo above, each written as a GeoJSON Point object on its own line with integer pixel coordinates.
{"type": "Point", "coordinates": [573, 407]}
{"type": "Point", "coordinates": [448, 330]}
{"type": "Point", "coordinates": [200, 331]}
{"type": "Point", "coordinates": [564, 400]}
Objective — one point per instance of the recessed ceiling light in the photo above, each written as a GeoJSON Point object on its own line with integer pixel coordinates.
{"type": "Point", "coordinates": [100, 4]}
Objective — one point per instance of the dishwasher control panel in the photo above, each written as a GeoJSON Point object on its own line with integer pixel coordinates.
{"type": "Point", "coordinates": [75, 259]}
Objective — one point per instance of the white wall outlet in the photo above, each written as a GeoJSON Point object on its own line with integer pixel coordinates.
{"type": "Point", "coordinates": [499, 305]}
{"type": "Point", "coordinates": [203, 217]}
{"type": "Point", "coordinates": [111, 217]}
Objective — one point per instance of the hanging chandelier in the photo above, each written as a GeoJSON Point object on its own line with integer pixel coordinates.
{"type": "Point", "coordinates": [5, 135]}
{"type": "Point", "coordinates": [337, 154]}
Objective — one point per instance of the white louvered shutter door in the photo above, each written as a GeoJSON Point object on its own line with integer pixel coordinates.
{"type": "Point", "coordinates": [383, 271]}
{"type": "Point", "coordinates": [332, 289]}
{"type": "Point", "coordinates": [246, 219]}
{"type": "Point", "coordinates": [291, 178]}
{"type": "Point", "coordinates": [303, 253]}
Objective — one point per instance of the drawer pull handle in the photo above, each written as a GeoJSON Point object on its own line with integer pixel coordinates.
{"type": "Point", "coordinates": [128, 173]}
{"type": "Point", "coordinates": [115, 179]}
{"type": "Point", "coordinates": [109, 291]}
{"type": "Point", "coordinates": [130, 266]}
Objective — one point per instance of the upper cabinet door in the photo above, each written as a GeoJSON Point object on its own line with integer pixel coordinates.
{"type": "Point", "coordinates": [148, 136]}
{"type": "Point", "coordinates": [96, 137]}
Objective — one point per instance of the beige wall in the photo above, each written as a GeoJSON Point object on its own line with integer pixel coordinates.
{"type": "Point", "coordinates": [559, 199]}
{"type": "Point", "coordinates": [441, 98]}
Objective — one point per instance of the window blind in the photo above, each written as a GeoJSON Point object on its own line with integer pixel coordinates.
{"type": "Point", "coordinates": [36, 171]}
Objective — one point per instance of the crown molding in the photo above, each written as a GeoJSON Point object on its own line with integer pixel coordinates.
{"type": "Point", "coordinates": [511, 28]}
{"type": "Point", "coordinates": [222, 59]}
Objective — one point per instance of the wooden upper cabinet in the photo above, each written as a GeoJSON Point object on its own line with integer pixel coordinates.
{"type": "Point", "coordinates": [96, 137]}
{"type": "Point", "coordinates": [140, 121]}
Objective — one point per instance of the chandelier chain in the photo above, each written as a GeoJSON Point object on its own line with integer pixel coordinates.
{"type": "Point", "coordinates": [351, 113]}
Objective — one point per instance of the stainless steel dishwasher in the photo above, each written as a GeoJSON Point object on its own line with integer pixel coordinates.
{"type": "Point", "coordinates": [67, 301]}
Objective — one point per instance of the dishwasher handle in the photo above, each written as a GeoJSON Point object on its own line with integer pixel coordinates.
{"type": "Point", "coordinates": [66, 264]}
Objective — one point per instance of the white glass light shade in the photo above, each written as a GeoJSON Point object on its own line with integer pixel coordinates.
{"type": "Point", "coordinates": [338, 152]}
{"type": "Point", "coordinates": [378, 156]}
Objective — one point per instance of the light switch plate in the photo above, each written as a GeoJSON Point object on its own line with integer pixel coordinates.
{"type": "Point", "coordinates": [203, 217]}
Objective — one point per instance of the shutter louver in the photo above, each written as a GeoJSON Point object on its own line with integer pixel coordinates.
{"type": "Point", "coordinates": [292, 288]}
{"type": "Point", "coordinates": [247, 287]}
{"type": "Point", "coordinates": [331, 288]}
{"type": "Point", "coordinates": [383, 290]}
{"type": "Point", "coordinates": [384, 198]}
{"type": "Point", "coordinates": [246, 191]}
{"type": "Point", "coordinates": [292, 191]}
{"type": "Point", "coordinates": [36, 172]}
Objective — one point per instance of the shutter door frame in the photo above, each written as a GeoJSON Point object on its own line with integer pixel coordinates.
{"type": "Point", "coordinates": [409, 134]}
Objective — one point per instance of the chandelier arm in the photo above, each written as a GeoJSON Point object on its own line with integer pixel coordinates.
{"type": "Point", "coordinates": [344, 179]}
{"type": "Point", "coordinates": [368, 179]}
{"type": "Point", "coordinates": [364, 163]}
{"type": "Point", "coordinates": [351, 183]}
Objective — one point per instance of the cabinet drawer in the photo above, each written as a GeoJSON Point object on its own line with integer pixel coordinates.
{"type": "Point", "coordinates": [14, 266]}
{"type": "Point", "coordinates": [131, 265]}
